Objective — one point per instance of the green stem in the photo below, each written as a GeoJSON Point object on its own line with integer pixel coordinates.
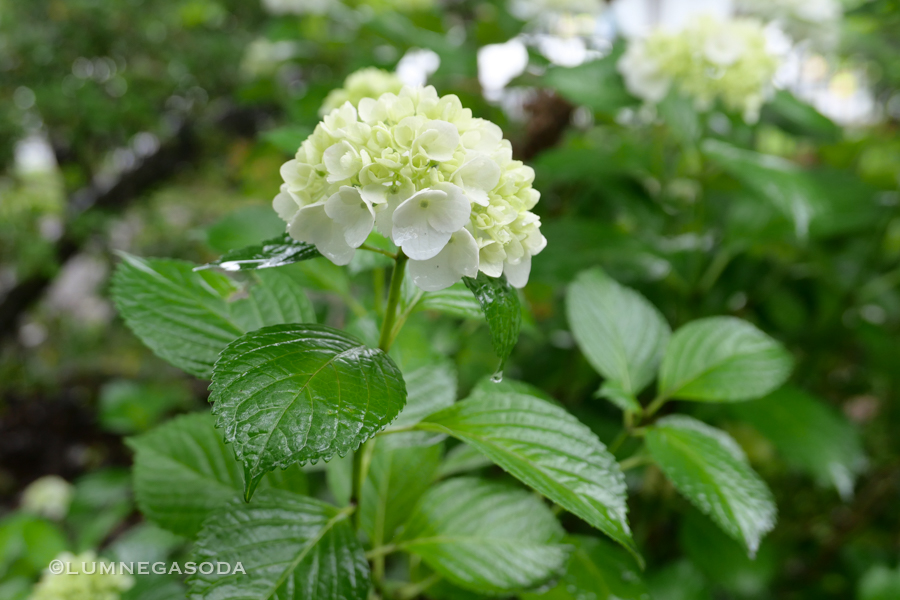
{"type": "Point", "coordinates": [632, 462]}
{"type": "Point", "coordinates": [656, 405]}
{"type": "Point", "coordinates": [390, 311]}
{"type": "Point", "coordinates": [362, 458]}
{"type": "Point", "coordinates": [381, 551]}
{"type": "Point", "coordinates": [617, 443]}
{"type": "Point", "coordinates": [378, 251]}
{"type": "Point", "coordinates": [411, 590]}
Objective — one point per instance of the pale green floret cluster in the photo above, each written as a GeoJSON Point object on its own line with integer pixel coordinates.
{"type": "Point", "coordinates": [85, 585]}
{"type": "Point", "coordinates": [370, 82]}
{"type": "Point", "coordinates": [708, 61]}
{"type": "Point", "coordinates": [441, 184]}
{"type": "Point", "coordinates": [48, 496]}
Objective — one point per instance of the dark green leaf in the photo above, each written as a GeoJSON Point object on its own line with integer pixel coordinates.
{"type": "Point", "coordinates": [500, 303]}
{"type": "Point", "coordinates": [456, 300]}
{"type": "Point", "coordinates": [622, 335]}
{"type": "Point", "coordinates": [291, 547]}
{"type": "Point", "coordinates": [546, 448]}
{"type": "Point", "coordinates": [183, 471]}
{"type": "Point", "coordinates": [299, 393]}
{"type": "Point", "coordinates": [484, 536]}
{"type": "Point", "coordinates": [597, 570]}
{"type": "Point", "coordinates": [710, 470]}
{"type": "Point", "coordinates": [277, 252]}
{"type": "Point", "coordinates": [276, 299]}
{"type": "Point", "coordinates": [722, 359]}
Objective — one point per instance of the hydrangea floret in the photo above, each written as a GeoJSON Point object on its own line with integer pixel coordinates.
{"type": "Point", "coordinates": [370, 82]}
{"type": "Point", "coordinates": [82, 579]}
{"type": "Point", "coordinates": [708, 61]}
{"type": "Point", "coordinates": [441, 184]}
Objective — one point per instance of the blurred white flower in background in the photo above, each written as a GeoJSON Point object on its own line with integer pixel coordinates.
{"type": "Point", "coordinates": [442, 185]}
{"type": "Point", "coordinates": [817, 21]}
{"type": "Point", "coordinates": [416, 66]}
{"type": "Point", "coordinates": [298, 7]}
{"type": "Point", "coordinates": [370, 82]}
{"type": "Point", "coordinates": [81, 585]}
{"type": "Point", "coordinates": [708, 61]}
{"type": "Point", "coordinates": [263, 57]}
{"type": "Point", "coordinates": [48, 496]}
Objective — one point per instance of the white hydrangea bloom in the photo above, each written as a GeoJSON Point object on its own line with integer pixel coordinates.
{"type": "Point", "coordinates": [48, 496]}
{"type": "Point", "coordinates": [298, 7]}
{"type": "Point", "coordinates": [84, 585]}
{"type": "Point", "coordinates": [441, 184]}
{"type": "Point", "coordinates": [709, 61]}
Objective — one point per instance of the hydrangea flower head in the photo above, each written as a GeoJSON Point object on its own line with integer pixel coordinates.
{"type": "Point", "coordinates": [86, 585]}
{"type": "Point", "coordinates": [48, 496]}
{"type": "Point", "coordinates": [709, 60]}
{"type": "Point", "coordinates": [370, 82]}
{"type": "Point", "coordinates": [425, 173]}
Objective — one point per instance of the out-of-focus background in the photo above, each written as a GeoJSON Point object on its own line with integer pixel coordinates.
{"type": "Point", "coordinates": [723, 157]}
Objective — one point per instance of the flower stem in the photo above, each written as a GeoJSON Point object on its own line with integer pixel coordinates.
{"type": "Point", "coordinates": [390, 311]}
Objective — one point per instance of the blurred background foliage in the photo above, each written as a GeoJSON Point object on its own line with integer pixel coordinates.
{"type": "Point", "coordinates": [157, 127]}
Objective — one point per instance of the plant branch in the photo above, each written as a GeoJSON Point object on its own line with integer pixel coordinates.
{"type": "Point", "coordinates": [371, 248]}
{"type": "Point", "coordinates": [390, 311]}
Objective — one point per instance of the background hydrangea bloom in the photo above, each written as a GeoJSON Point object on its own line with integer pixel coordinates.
{"type": "Point", "coordinates": [440, 183]}
{"type": "Point", "coordinates": [83, 586]}
{"type": "Point", "coordinates": [370, 82]}
{"type": "Point", "coordinates": [709, 60]}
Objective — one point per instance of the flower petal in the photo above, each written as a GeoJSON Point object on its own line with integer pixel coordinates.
{"type": "Point", "coordinates": [352, 213]}
{"type": "Point", "coordinates": [458, 259]}
{"type": "Point", "coordinates": [438, 140]}
{"type": "Point", "coordinates": [285, 205]}
{"type": "Point", "coordinates": [450, 214]}
{"type": "Point", "coordinates": [517, 274]}
{"type": "Point", "coordinates": [342, 161]}
{"type": "Point", "coordinates": [477, 177]}
{"type": "Point", "coordinates": [313, 226]}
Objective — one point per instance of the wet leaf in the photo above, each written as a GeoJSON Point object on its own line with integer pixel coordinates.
{"type": "Point", "coordinates": [277, 252]}
{"type": "Point", "coordinates": [500, 303]}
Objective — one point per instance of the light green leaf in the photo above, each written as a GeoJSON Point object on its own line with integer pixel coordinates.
{"type": "Point", "coordinates": [276, 299]}
{"type": "Point", "coordinates": [429, 389]}
{"type": "Point", "coordinates": [183, 471]}
{"type": "Point", "coordinates": [485, 536]}
{"type": "Point", "coordinates": [722, 359]}
{"type": "Point", "coordinates": [291, 547]}
{"type": "Point", "coordinates": [397, 478]}
{"type": "Point", "coordinates": [244, 227]}
{"type": "Point", "coordinates": [456, 300]}
{"type": "Point", "coordinates": [614, 392]}
{"type": "Point", "coordinates": [879, 583]}
{"type": "Point", "coordinates": [185, 316]}
{"type": "Point", "coordinates": [298, 393]}
{"type": "Point", "coordinates": [546, 448]}
{"type": "Point", "coordinates": [809, 435]}
{"type": "Point", "coordinates": [181, 315]}
{"type": "Point", "coordinates": [277, 252]}
{"type": "Point", "coordinates": [500, 304]}
{"type": "Point", "coordinates": [622, 335]}
{"type": "Point", "coordinates": [597, 570]}
{"type": "Point", "coordinates": [710, 470]}
{"type": "Point", "coordinates": [462, 459]}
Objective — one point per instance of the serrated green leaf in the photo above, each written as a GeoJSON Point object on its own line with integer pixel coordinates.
{"type": "Point", "coordinates": [183, 471]}
{"type": "Point", "coordinates": [485, 536]}
{"type": "Point", "coordinates": [277, 252]}
{"type": "Point", "coordinates": [722, 359]}
{"type": "Point", "coordinates": [546, 448]}
{"type": "Point", "coordinates": [179, 314]}
{"type": "Point", "coordinates": [500, 304]}
{"type": "Point", "coordinates": [597, 570]}
{"type": "Point", "coordinates": [809, 435]}
{"type": "Point", "coordinates": [296, 393]}
{"type": "Point", "coordinates": [276, 299]}
{"type": "Point", "coordinates": [429, 389]}
{"type": "Point", "coordinates": [397, 478]}
{"type": "Point", "coordinates": [186, 317]}
{"type": "Point", "coordinates": [710, 470]}
{"type": "Point", "coordinates": [291, 547]}
{"type": "Point", "coordinates": [621, 334]}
